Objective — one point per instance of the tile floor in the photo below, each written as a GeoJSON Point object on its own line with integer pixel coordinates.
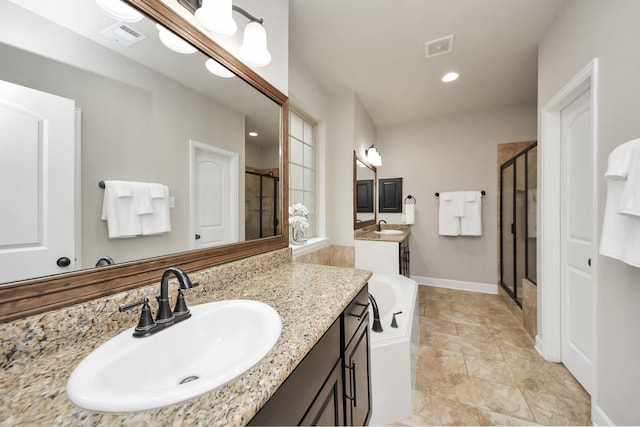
{"type": "Point", "coordinates": [477, 366]}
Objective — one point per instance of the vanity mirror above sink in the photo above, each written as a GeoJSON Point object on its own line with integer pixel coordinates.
{"type": "Point", "coordinates": [149, 112]}
{"type": "Point", "coordinates": [364, 192]}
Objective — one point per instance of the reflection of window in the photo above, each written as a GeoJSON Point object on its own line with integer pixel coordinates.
{"type": "Point", "coordinates": [302, 169]}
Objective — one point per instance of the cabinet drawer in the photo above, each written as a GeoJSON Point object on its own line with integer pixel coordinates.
{"type": "Point", "coordinates": [355, 313]}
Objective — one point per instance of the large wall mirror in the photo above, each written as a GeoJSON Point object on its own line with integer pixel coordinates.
{"type": "Point", "coordinates": [121, 105]}
{"type": "Point", "coordinates": [364, 192]}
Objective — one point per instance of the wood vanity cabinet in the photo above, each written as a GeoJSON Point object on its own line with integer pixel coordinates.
{"type": "Point", "coordinates": [331, 386]}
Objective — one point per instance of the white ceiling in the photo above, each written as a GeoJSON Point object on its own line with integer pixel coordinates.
{"type": "Point", "coordinates": [375, 48]}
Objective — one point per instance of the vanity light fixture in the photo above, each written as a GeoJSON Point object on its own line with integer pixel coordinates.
{"type": "Point", "coordinates": [216, 16]}
{"type": "Point", "coordinates": [173, 42]}
{"type": "Point", "coordinates": [373, 155]}
{"type": "Point", "coordinates": [119, 10]}
{"type": "Point", "coordinates": [449, 77]}
{"type": "Point", "coordinates": [214, 67]}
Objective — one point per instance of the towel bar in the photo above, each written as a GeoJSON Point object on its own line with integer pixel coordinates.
{"type": "Point", "coordinates": [410, 197]}
{"type": "Point", "coordinates": [484, 193]}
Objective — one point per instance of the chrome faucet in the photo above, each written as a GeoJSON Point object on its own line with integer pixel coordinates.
{"type": "Point", "coordinates": [378, 228]}
{"type": "Point", "coordinates": [377, 325]}
{"type": "Point", "coordinates": [147, 325]}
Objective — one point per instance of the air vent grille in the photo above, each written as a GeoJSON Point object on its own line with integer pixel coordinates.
{"type": "Point", "coordinates": [123, 34]}
{"type": "Point", "coordinates": [438, 47]}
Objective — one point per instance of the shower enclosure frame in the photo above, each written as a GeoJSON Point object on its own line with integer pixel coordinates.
{"type": "Point", "coordinates": [519, 226]}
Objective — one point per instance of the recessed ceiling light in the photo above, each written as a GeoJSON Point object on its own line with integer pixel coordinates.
{"type": "Point", "coordinates": [449, 77]}
{"type": "Point", "coordinates": [253, 133]}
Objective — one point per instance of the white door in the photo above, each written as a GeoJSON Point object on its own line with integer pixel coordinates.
{"type": "Point", "coordinates": [214, 196]}
{"type": "Point", "coordinates": [37, 149]}
{"type": "Point", "coordinates": [577, 282]}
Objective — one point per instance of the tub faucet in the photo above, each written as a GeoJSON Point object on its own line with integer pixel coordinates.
{"type": "Point", "coordinates": [377, 326]}
{"type": "Point", "coordinates": [378, 228]}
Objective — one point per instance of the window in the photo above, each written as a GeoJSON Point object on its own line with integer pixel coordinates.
{"type": "Point", "coordinates": [302, 168]}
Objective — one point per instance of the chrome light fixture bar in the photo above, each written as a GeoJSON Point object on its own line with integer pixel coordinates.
{"type": "Point", "coordinates": [215, 16]}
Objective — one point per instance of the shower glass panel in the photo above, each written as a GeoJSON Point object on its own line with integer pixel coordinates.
{"type": "Point", "coordinates": [261, 205]}
{"type": "Point", "coordinates": [518, 182]}
{"type": "Point", "coordinates": [532, 202]}
{"type": "Point", "coordinates": [520, 225]}
{"type": "Point", "coordinates": [507, 221]}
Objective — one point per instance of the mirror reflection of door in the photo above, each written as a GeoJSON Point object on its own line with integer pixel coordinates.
{"type": "Point", "coordinates": [214, 196]}
{"type": "Point", "coordinates": [37, 174]}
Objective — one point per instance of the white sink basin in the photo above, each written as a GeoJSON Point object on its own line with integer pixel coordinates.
{"type": "Point", "coordinates": [218, 343]}
{"type": "Point", "coordinates": [389, 232]}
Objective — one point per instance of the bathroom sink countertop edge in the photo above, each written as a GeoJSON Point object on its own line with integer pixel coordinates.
{"type": "Point", "coordinates": [369, 233]}
{"type": "Point", "coordinates": [307, 297]}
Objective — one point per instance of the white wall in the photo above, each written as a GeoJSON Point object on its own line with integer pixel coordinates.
{"type": "Point", "coordinates": [608, 30]}
{"type": "Point", "coordinates": [457, 152]}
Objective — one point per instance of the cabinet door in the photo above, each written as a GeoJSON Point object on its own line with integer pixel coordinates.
{"type": "Point", "coordinates": [357, 377]}
{"type": "Point", "coordinates": [327, 409]}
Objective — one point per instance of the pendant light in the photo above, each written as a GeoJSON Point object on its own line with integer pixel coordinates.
{"type": "Point", "coordinates": [215, 16]}
{"type": "Point", "coordinates": [254, 45]}
{"type": "Point", "coordinates": [173, 42]}
{"type": "Point", "coordinates": [119, 10]}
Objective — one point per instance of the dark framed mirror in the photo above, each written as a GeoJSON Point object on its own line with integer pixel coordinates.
{"type": "Point", "coordinates": [188, 107]}
{"type": "Point", "coordinates": [364, 192]}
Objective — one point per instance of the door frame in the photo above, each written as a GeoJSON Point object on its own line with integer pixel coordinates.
{"type": "Point", "coordinates": [232, 159]}
{"type": "Point", "coordinates": [549, 339]}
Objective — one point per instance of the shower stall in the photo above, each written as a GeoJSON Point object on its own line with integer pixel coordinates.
{"type": "Point", "coordinates": [261, 204]}
{"type": "Point", "coordinates": [518, 236]}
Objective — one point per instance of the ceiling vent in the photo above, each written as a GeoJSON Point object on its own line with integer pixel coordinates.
{"type": "Point", "coordinates": [123, 34]}
{"type": "Point", "coordinates": [438, 47]}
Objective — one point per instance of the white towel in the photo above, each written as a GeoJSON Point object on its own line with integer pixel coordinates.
{"type": "Point", "coordinates": [630, 198]}
{"type": "Point", "coordinates": [409, 213]}
{"type": "Point", "coordinates": [471, 222]}
{"type": "Point", "coordinates": [620, 232]}
{"type": "Point", "coordinates": [159, 220]}
{"type": "Point", "coordinates": [451, 209]}
{"type": "Point", "coordinates": [118, 209]}
{"type": "Point", "coordinates": [142, 196]}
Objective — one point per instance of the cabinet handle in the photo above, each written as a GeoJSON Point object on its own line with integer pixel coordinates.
{"type": "Point", "coordinates": [352, 385]}
{"type": "Point", "coordinates": [364, 310]}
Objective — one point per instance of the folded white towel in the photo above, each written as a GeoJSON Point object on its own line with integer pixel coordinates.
{"type": "Point", "coordinates": [620, 237]}
{"type": "Point", "coordinates": [159, 221]}
{"type": "Point", "coordinates": [118, 209]}
{"type": "Point", "coordinates": [142, 196]}
{"type": "Point", "coordinates": [630, 198]}
{"type": "Point", "coordinates": [451, 209]}
{"type": "Point", "coordinates": [471, 222]}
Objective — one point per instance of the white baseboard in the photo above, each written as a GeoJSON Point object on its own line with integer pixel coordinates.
{"type": "Point", "coordinates": [485, 288]}
{"type": "Point", "coordinates": [539, 346]}
{"type": "Point", "coordinates": [599, 417]}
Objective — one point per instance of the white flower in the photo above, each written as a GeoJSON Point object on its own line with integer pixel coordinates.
{"type": "Point", "coordinates": [298, 216]}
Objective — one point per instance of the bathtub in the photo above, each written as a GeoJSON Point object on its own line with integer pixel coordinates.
{"type": "Point", "coordinates": [394, 351]}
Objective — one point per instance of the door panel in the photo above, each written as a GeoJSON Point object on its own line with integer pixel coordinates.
{"type": "Point", "coordinates": [577, 315]}
{"type": "Point", "coordinates": [37, 188]}
{"type": "Point", "coordinates": [214, 180]}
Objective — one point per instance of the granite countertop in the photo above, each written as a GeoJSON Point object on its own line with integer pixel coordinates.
{"type": "Point", "coordinates": [39, 353]}
{"type": "Point", "coordinates": [368, 233]}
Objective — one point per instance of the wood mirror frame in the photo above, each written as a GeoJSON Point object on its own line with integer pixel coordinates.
{"type": "Point", "coordinates": [362, 224]}
{"type": "Point", "coordinates": [28, 297]}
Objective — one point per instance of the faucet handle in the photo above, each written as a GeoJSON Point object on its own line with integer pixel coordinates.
{"type": "Point", "coordinates": [146, 321]}
{"type": "Point", "coordinates": [394, 323]}
{"type": "Point", "coordinates": [181, 306]}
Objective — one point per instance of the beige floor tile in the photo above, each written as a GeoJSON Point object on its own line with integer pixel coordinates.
{"type": "Point", "coordinates": [430, 325]}
{"type": "Point", "coordinates": [487, 395]}
{"type": "Point", "coordinates": [466, 345]}
{"type": "Point", "coordinates": [550, 409]}
{"type": "Point", "coordinates": [478, 366]}
{"type": "Point", "coordinates": [435, 411]}
{"type": "Point", "coordinates": [488, 418]}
